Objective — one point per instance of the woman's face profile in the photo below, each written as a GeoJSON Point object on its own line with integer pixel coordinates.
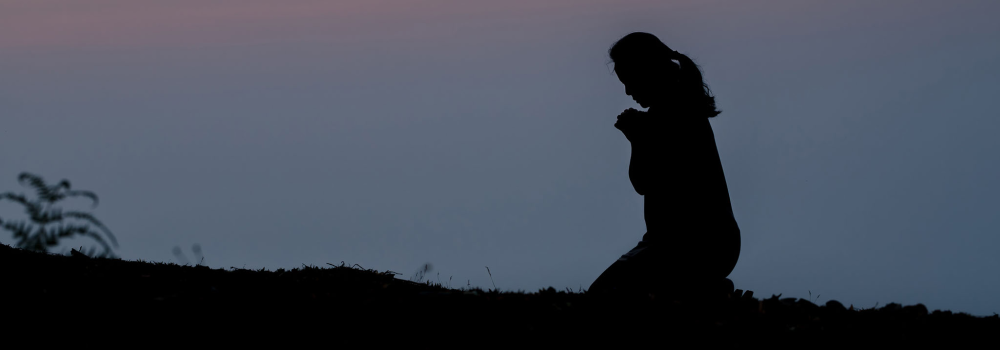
{"type": "Point", "coordinates": [640, 85]}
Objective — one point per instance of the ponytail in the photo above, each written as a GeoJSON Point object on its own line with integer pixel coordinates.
{"type": "Point", "coordinates": [694, 87]}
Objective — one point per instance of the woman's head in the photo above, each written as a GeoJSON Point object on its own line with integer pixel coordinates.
{"type": "Point", "coordinates": [647, 69]}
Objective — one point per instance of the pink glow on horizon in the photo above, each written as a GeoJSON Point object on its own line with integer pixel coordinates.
{"type": "Point", "coordinates": [68, 24]}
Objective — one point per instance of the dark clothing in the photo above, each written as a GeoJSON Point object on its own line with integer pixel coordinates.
{"type": "Point", "coordinates": [654, 269]}
{"type": "Point", "coordinates": [691, 233]}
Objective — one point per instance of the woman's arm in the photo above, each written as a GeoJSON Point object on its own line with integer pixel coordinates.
{"type": "Point", "coordinates": [637, 128]}
{"type": "Point", "coordinates": [641, 167]}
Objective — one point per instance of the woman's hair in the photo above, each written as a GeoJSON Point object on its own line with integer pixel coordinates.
{"type": "Point", "coordinates": [646, 51]}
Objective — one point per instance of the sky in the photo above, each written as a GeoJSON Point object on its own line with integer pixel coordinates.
{"type": "Point", "coordinates": [858, 138]}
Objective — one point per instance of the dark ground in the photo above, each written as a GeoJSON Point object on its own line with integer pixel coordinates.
{"type": "Point", "coordinates": [118, 299]}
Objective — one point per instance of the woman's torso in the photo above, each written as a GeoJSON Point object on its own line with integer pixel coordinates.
{"type": "Point", "coordinates": [691, 200]}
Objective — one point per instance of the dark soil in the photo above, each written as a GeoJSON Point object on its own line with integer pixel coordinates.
{"type": "Point", "coordinates": [147, 299]}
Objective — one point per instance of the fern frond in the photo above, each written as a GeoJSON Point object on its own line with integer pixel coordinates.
{"type": "Point", "coordinates": [19, 198]}
{"type": "Point", "coordinates": [19, 229]}
{"type": "Point", "coordinates": [91, 219]}
{"type": "Point", "coordinates": [64, 184]}
{"type": "Point", "coordinates": [88, 194]}
{"type": "Point", "coordinates": [34, 209]}
{"type": "Point", "coordinates": [44, 192]}
{"type": "Point", "coordinates": [41, 236]}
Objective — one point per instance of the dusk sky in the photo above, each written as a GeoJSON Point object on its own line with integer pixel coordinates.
{"type": "Point", "coordinates": [858, 137]}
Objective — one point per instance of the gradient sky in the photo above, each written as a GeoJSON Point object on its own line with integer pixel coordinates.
{"type": "Point", "coordinates": [859, 138]}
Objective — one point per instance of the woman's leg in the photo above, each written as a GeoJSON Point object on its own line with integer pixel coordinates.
{"type": "Point", "coordinates": [628, 273]}
{"type": "Point", "coordinates": [610, 279]}
{"type": "Point", "coordinates": [672, 267]}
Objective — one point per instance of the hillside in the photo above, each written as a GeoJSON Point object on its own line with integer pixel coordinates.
{"type": "Point", "coordinates": [158, 296]}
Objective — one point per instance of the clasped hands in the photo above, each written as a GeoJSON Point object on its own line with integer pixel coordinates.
{"type": "Point", "coordinates": [631, 122]}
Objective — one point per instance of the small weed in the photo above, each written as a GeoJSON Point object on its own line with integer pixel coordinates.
{"type": "Point", "coordinates": [491, 278]}
{"type": "Point", "coordinates": [419, 275]}
{"type": "Point", "coordinates": [196, 249]}
{"type": "Point", "coordinates": [811, 298]}
{"type": "Point", "coordinates": [863, 309]}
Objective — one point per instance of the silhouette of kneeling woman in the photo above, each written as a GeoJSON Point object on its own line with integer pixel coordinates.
{"type": "Point", "coordinates": [692, 241]}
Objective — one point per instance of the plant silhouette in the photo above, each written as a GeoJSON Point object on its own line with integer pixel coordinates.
{"type": "Point", "coordinates": [196, 249]}
{"type": "Point", "coordinates": [48, 226]}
